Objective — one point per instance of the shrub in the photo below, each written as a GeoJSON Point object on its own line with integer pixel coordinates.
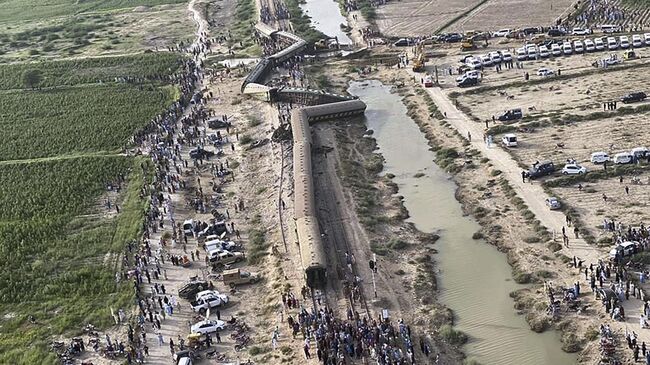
{"type": "Point", "coordinates": [245, 139]}
{"type": "Point", "coordinates": [531, 239]}
{"type": "Point", "coordinates": [452, 336]}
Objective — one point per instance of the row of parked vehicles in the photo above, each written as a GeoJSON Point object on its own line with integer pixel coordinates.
{"type": "Point", "coordinates": [621, 158]}
{"type": "Point", "coordinates": [554, 48]}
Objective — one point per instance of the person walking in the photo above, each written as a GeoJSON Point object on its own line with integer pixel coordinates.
{"type": "Point", "coordinates": [274, 338]}
{"type": "Point", "coordinates": [161, 341]}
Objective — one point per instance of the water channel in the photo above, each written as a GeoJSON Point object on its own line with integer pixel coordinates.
{"type": "Point", "coordinates": [326, 17]}
{"type": "Point", "coordinates": [475, 279]}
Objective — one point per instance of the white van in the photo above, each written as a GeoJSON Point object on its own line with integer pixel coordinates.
{"type": "Point", "coordinates": [521, 54]}
{"type": "Point", "coordinates": [625, 42]}
{"type": "Point", "coordinates": [599, 157]}
{"type": "Point", "coordinates": [495, 57]}
{"type": "Point", "coordinates": [611, 43]}
{"type": "Point", "coordinates": [609, 28]}
{"type": "Point", "coordinates": [646, 38]}
{"type": "Point", "coordinates": [474, 63]}
{"type": "Point", "coordinates": [623, 158]}
{"type": "Point", "coordinates": [509, 140]}
{"type": "Point", "coordinates": [600, 46]}
{"type": "Point", "coordinates": [532, 52]}
{"type": "Point", "coordinates": [578, 47]}
{"type": "Point", "coordinates": [589, 45]}
{"type": "Point", "coordinates": [566, 48]}
{"type": "Point", "coordinates": [640, 152]}
{"type": "Point", "coordinates": [637, 41]}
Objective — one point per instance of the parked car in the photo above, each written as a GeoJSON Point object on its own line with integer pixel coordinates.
{"type": "Point", "coordinates": [474, 63]}
{"type": "Point", "coordinates": [634, 97]}
{"type": "Point", "coordinates": [486, 61]}
{"type": "Point", "coordinates": [612, 44]}
{"type": "Point", "coordinates": [224, 257]}
{"type": "Point", "coordinates": [624, 249]}
{"type": "Point", "coordinates": [552, 203]}
{"type": "Point", "coordinates": [540, 169]}
{"type": "Point", "coordinates": [625, 42]}
{"type": "Point", "coordinates": [599, 157]}
{"type": "Point", "coordinates": [646, 39]}
{"type": "Point", "coordinates": [469, 74]}
{"type": "Point", "coordinates": [509, 140]}
{"type": "Point", "coordinates": [208, 326]}
{"type": "Point", "coordinates": [206, 293]}
{"type": "Point", "coordinates": [589, 45]}
{"type": "Point", "coordinates": [599, 44]}
{"type": "Point", "coordinates": [208, 301]}
{"type": "Point", "coordinates": [544, 72]}
{"type": "Point", "coordinates": [512, 114]}
{"type": "Point", "coordinates": [216, 228]}
{"type": "Point", "coordinates": [190, 289]}
{"type": "Point", "coordinates": [468, 81]}
{"type": "Point", "coordinates": [531, 53]}
{"type": "Point", "coordinates": [405, 42]}
{"type": "Point", "coordinates": [580, 31]}
{"type": "Point", "coordinates": [609, 28]}
{"type": "Point", "coordinates": [428, 81]}
{"type": "Point", "coordinates": [502, 33]}
{"type": "Point", "coordinates": [544, 52]}
{"type": "Point", "coordinates": [556, 49]}
{"type": "Point", "coordinates": [578, 47]}
{"type": "Point", "coordinates": [573, 169]}
{"type": "Point", "coordinates": [495, 57]}
{"type": "Point", "coordinates": [623, 158]}
{"type": "Point", "coordinates": [188, 227]}
{"type": "Point", "coordinates": [640, 152]}
{"type": "Point", "coordinates": [453, 38]}
{"type": "Point", "coordinates": [522, 55]}
{"type": "Point", "coordinates": [566, 48]}
{"type": "Point", "coordinates": [637, 41]}
{"type": "Point", "coordinates": [556, 32]}
{"type": "Point", "coordinates": [506, 56]}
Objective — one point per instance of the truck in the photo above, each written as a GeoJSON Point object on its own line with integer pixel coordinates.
{"type": "Point", "coordinates": [236, 277]}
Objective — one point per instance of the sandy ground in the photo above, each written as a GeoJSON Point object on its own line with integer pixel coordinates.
{"type": "Point", "coordinates": [418, 17]}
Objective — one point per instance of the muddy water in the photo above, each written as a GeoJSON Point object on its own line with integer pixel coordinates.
{"type": "Point", "coordinates": [326, 17]}
{"type": "Point", "coordinates": [474, 277]}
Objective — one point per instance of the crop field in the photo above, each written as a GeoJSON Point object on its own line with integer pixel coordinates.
{"type": "Point", "coordinates": [499, 14]}
{"type": "Point", "coordinates": [119, 31]}
{"type": "Point", "coordinates": [56, 267]}
{"type": "Point", "coordinates": [419, 17]}
{"type": "Point", "coordinates": [61, 142]}
{"type": "Point", "coordinates": [91, 70]}
{"type": "Point", "coordinates": [14, 10]}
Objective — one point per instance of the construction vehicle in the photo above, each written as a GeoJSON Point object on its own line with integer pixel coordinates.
{"type": "Point", "coordinates": [630, 55]}
{"type": "Point", "coordinates": [467, 45]}
{"type": "Point", "coordinates": [419, 59]}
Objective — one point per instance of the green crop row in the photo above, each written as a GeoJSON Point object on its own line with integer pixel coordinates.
{"type": "Point", "coordinates": [75, 120]}
{"type": "Point", "coordinates": [91, 70]}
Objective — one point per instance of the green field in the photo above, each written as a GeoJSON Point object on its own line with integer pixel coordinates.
{"type": "Point", "coordinates": [61, 145]}
{"type": "Point", "coordinates": [15, 10]}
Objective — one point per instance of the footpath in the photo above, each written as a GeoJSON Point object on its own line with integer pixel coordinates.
{"type": "Point", "coordinates": [533, 194]}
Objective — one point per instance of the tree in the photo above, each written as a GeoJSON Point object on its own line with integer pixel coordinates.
{"type": "Point", "coordinates": [32, 78]}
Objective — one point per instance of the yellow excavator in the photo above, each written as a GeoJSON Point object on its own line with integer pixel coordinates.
{"type": "Point", "coordinates": [419, 59]}
{"type": "Point", "coordinates": [467, 45]}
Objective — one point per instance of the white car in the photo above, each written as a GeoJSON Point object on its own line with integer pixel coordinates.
{"type": "Point", "coordinates": [521, 54]}
{"type": "Point", "coordinates": [208, 301]}
{"type": "Point", "coordinates": [637, 41]}
{"type": "Point", "coordinates": [646, 39]}
{"type": "Point", "coordinates": [599, 44]}
{"type": "Point", "coordinates": [623, 158]}
{"type": "Point", "coordinates": [612, 44]}
{"type": "Point", "coordinates": [502, 33]}
{"type": "Point", "coordinates": [625, 42]}
{"type": "Point", "coordinates": [556, 49]}
{"type": "Point", "coordinates": [188, 227]}
{"type": "Point", "coordinates": [566, 48]}
{"type": "Point", "coordinates": [473, 74]}
{"type": "Point", "coordinates": [532, 52]}
{"type": "Point", "coordinates": [589, 45]}
{"type": "Point", "coordinates": [206, 292]}
{"type": "Point", "coordinates": [208, 326]}
{"type": "Point", "coordinates": [580, 31]}
{"type": "Point", "coordinates": [574, 169]}
{"type": "Point", "coordinates": [552, 203]}
{"type": "Point", "coordinates": [506, 56]}
{"type": "Point", "coordinates": [486, 61]}
{"type": "Point", "coordinates": [509, 140]}
{"type": "Point", "coordinates": [578, 47]}
{"type": "Point", "coordinates": [599, 157]}
{"type": "Point", "coordinates": [495, 57]}
{"type": "Point", "coordinates": [474, 64]}
{"type": "Point", "coordinates": [544, 52]}
{"type": "Point", "coordinates": [544, 72]}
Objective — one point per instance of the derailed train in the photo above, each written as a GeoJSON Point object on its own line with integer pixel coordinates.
{"type": "Point", "coordinates": [312, 251]}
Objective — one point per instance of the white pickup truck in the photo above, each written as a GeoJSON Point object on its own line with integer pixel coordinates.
{"type": "Point", "coordinates": [207, 301]}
